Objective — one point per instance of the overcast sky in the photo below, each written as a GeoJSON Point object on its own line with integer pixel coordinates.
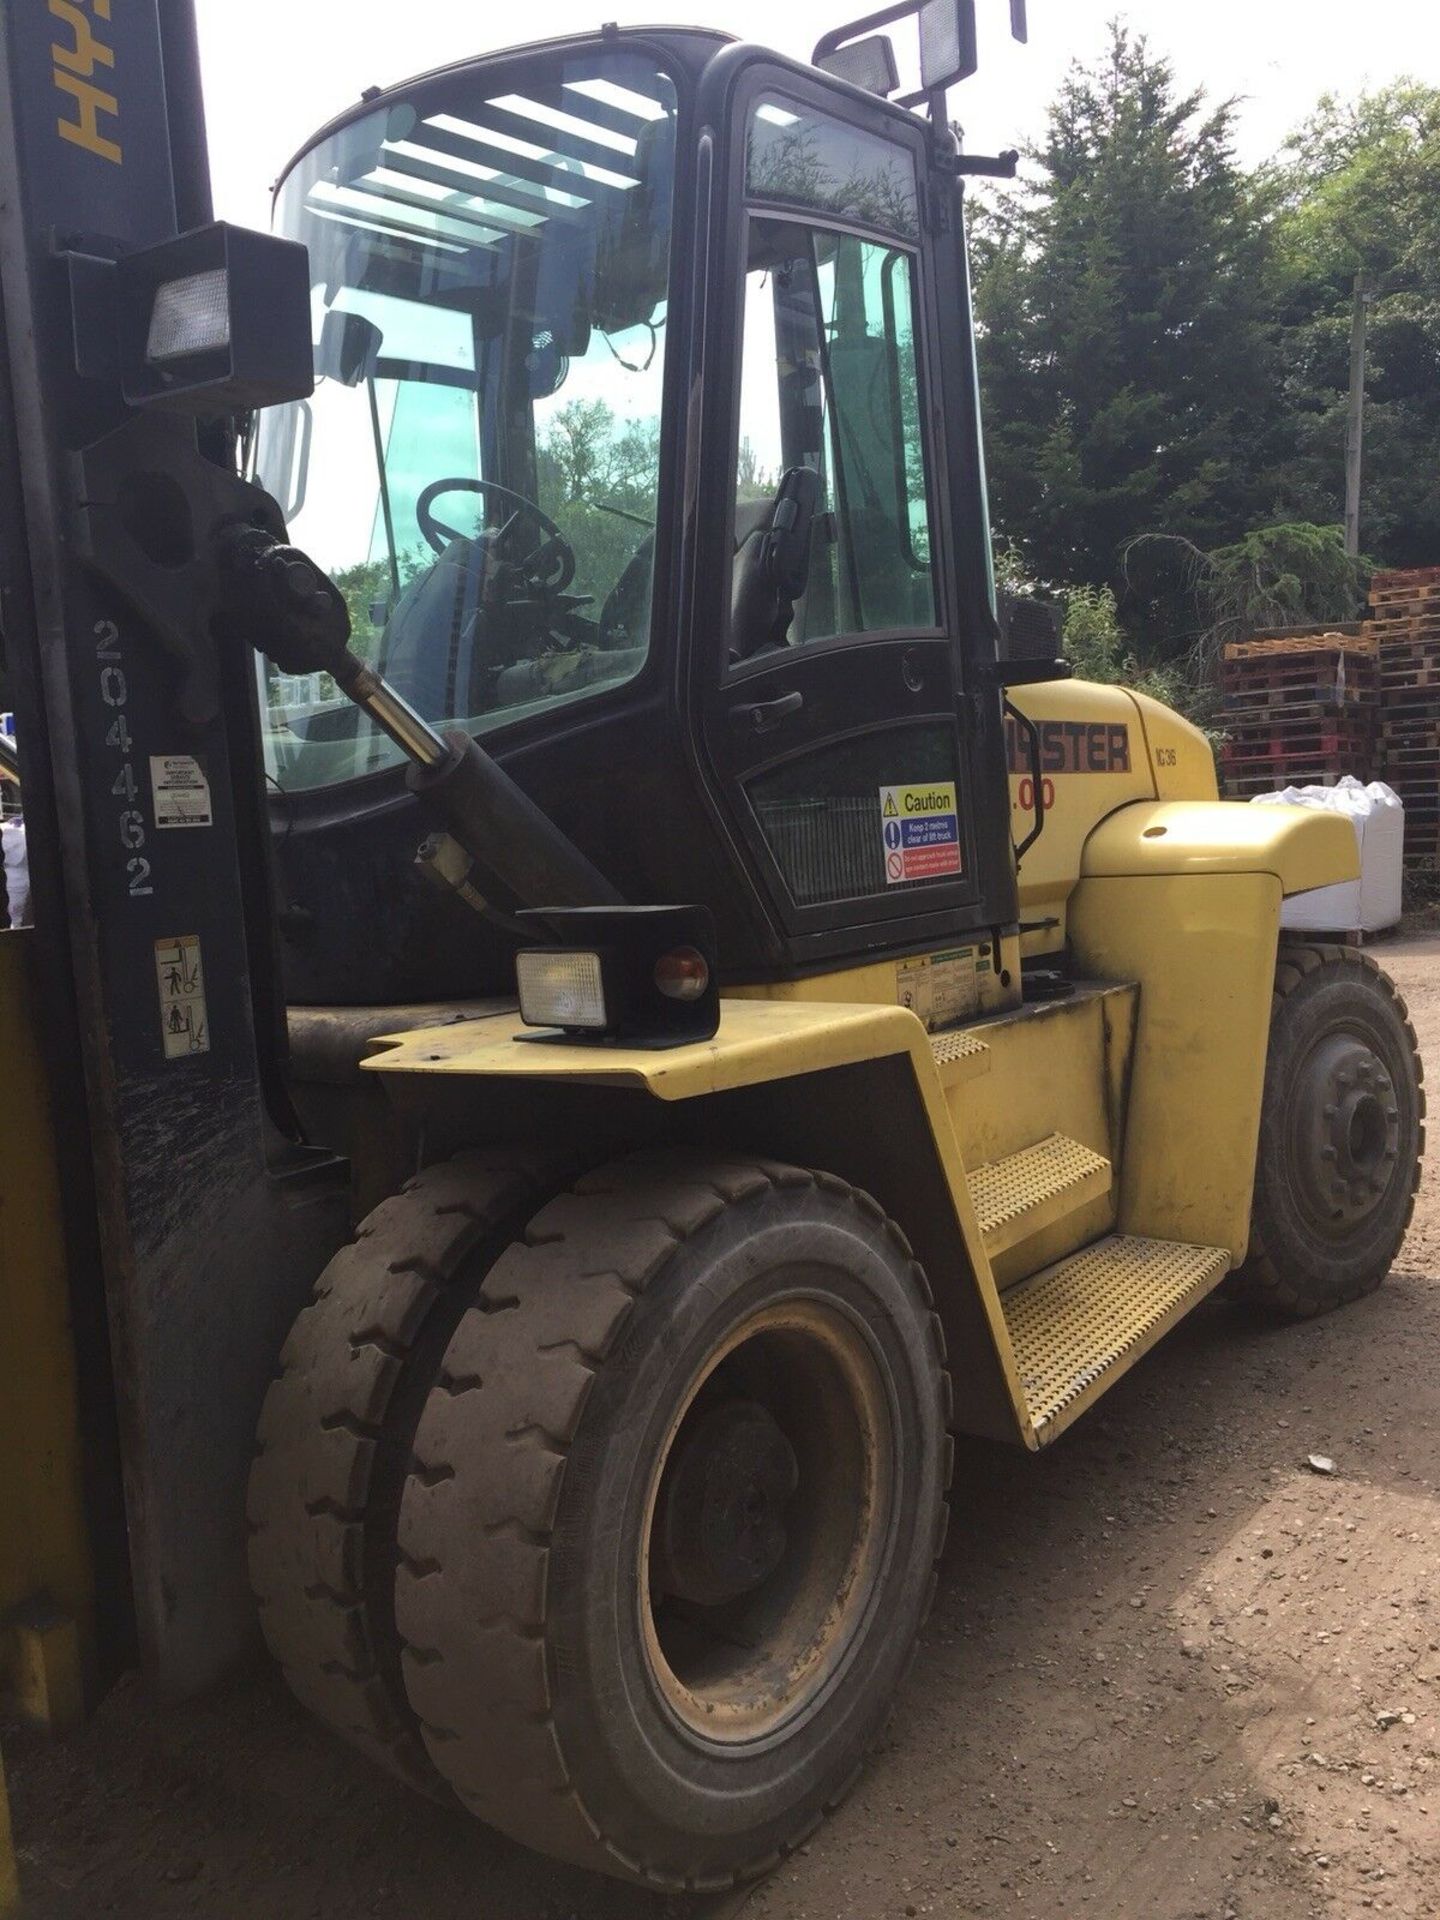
{"type": "Point", "coordinates": [275, 70]}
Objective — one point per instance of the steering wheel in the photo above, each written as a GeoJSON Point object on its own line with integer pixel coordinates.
{"type": "Point", "coordinates": [547, 565]}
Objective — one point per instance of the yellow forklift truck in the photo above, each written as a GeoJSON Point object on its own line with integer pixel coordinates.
{"type": "Point", "coordinates": [764, 1016]}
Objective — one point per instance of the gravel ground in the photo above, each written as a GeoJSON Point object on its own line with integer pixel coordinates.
{"type": "Point", "coordinates": [1173, 1673]}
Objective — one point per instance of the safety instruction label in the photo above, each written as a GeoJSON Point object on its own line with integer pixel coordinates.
{"type": "Point", "coordinates": [921, 830]}
{"type": "Point", "coordinates": [940, 988]}
{"type": "Point", "coordinates": [181, 980]}
{"type": "Point", "coordinates": [180, 789]}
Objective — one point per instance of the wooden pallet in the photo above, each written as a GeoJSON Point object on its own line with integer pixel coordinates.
{"type": "Point", "coordinates": [1302, 640]}
{"type": "Point", "coordinates": [1398, 612]}
{"type": "Point", "coordinates": [1244, 786]}
{"type": "Point", "coordinates": [1275, 742]}
{"type": "Point", "coordinates": [1405, 697]}
{"type": "Point", "coordinates": [1386, 603]}
{"type": "Point", "coordinates": [1312, 667]}
{"type": "Point", "coordinates": [1353, 705]}
{"type": "Point", "coordinates": [1268, 776]}
{"type": "Point", "coordinates": [1389, 578]}
{"type": "Point", "coordinates": [1308, 657]}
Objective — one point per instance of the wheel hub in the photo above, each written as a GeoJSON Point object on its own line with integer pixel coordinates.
{"type": "Point", "coordinates": [1349, 1123]}
{"type": "Point", "coordinates": [768, 1521]}
{"type": "Point", "coordinates": [720, 1530]}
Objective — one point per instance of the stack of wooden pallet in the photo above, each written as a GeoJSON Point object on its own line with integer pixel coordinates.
{"type": "Point", "coordinates": [1405, 623]}
{"type": "Point", "coordinates": [1298, 708]}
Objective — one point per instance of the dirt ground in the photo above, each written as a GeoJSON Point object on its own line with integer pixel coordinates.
{"type": "Point", "coordinates": [1173, 1673]}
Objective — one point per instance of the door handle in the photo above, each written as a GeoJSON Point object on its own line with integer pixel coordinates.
{"type": "Point", "coordinates": [762, 715]}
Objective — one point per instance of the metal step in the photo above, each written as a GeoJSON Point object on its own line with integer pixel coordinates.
{"type": "Point", "coordinates": [959, 1056]}
{"type": "Point", "coordinates": [1026, 1191]}
{"type": "Point", "coordinates": [1075, 1327]}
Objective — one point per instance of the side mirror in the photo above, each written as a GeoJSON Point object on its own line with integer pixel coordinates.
{"type": "Point", "coordinates": [632, 260]}
{"type": "Point", "coordinates": [349, 347]}
{"type": "Point", "coordinates": [949, 50]}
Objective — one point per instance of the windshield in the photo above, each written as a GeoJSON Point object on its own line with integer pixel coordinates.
{"type": "Point", "coordinates": [478, 468]}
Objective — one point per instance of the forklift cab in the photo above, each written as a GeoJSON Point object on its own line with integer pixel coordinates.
{"type": "Point", "coordinates": [638, 443]}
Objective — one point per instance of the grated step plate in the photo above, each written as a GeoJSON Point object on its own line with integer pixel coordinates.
{"type": "Point", "coordinates": [1026, 1191]}
{"type": "Point", "coordinates": [961, 1053]}
{"type": "Point", "coordinates": [1077, 1326]}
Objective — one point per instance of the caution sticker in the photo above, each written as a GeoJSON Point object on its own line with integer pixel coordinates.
{"type": "Point", "coordinates": [921, 830]}
{"type": "Point", "coordinates": [180, 790]}
{"type": "Point", "coordinates": [184, 1022]}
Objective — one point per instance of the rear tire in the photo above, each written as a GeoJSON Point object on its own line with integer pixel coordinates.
{"type": "Point", "coordinates": [1341, 1137]}
{"type": "Point", "coordinates": [672, 1527]}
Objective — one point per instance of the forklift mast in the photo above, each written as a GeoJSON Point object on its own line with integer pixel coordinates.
{"type": "Point", "coordinates": [192, 1217]}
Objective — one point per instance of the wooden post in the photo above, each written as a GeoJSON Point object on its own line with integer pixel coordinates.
{"type": "Point", "coordinates": [1355, 426]}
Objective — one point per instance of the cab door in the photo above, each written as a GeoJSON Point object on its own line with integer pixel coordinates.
{"type": "Point", "coordinates": [834, 726]}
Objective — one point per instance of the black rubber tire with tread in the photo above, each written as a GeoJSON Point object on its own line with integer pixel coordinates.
{"type": "Point", "coordinates": [512, 1589]}
{"type": "Point", "coordinates": [1286, 1272]}
{"type": "Point", "coordinates": [335, 1441]}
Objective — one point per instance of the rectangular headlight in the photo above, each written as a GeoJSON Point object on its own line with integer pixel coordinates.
{"type": "Point", "coordinates": [211, 321]}
{"type": "Point", "coordinates": [190, 316]}
{"type": "Point", "coordinates": [561, 989]}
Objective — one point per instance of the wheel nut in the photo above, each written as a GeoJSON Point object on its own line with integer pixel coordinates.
{"type": "Point", "coordinates": [1329, 1112]}
{"type": "Point", "coordinates": [1327, 1153]}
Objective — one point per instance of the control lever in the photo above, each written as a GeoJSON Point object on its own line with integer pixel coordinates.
{"type": "Point", "coordinates": [278, 592]}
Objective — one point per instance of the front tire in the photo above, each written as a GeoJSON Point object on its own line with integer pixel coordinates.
{"type": "Point", "coordinates": [335, 1438]}
{"type": "Point", "coordinates": [1341, 1136]}
{"type": "Point", "coordinates": [673, 1522]}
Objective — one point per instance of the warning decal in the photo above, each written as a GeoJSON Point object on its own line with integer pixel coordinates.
{"type": "Point", "coordinates": [181, 791]}
{"type": "Point", "coordinates": [181, 980]}
{"type": "Point", "coordinates": [921, 830]}
{"type": "Point", "coordinates": [943, 987]}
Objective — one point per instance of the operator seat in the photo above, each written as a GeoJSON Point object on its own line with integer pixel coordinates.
{"type": "Point", "coordinates": [772, 563]}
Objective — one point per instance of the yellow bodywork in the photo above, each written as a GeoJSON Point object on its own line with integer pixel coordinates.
{"type": "Point", "coordinates": [46, 1600]}
{"type": "Point", "coordinates": [1087, 730]}
{"type": "Point", "coordinates": [1185, 898]}
{"type": "Point", "coordinates": [758, 1041]}
{"type": "Point", "coordinates": [1093, 1156]}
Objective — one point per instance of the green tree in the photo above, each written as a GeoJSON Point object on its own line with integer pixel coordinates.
{"type": "Point", "coordinates": [1357, 190]}
{"type": "Point", "coordinates": [1126, 352]}
{"type": "Point", "coordinates": [1291, 575]}
{"type": "Point", "coordinates": [577, 443]}
{"type": "Point", "coordinates": [366, 589]}
{"type": "Point", "coordinates": [598, 483]}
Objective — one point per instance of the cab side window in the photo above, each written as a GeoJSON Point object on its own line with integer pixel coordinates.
{"type": "Point", "coordinates": [832, 508]}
